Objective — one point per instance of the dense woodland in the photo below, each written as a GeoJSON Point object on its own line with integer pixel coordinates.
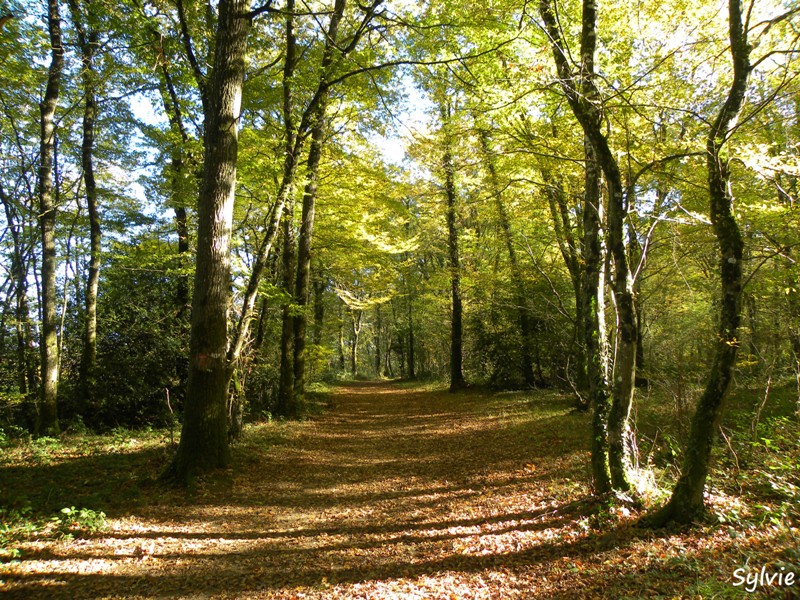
{"type": "Point", "coordinates": [210, 208]}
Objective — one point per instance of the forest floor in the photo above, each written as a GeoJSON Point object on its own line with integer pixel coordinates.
{"type": "Point", "coordinates": [392, 492]}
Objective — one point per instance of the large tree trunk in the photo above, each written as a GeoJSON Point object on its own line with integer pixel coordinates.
{"type": "Point", "coordinates": [594, 325]}
{"type": "Point", "coordinates": [686, 503]}
{"type": "Point", "coordinates": [87, 43]}
{"type": "Point", "coordinates": [47, 423]}
{"type": "Point", "coordinates": [204, 439]}
{"type": "Point", "coordinates": [456, 326]}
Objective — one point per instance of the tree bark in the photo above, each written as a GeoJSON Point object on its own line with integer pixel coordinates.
{"type": "Point", "coordinates": [305, 236]}
{"type": "Point", "coordinates": [286, 405]}
{"type": "Point", "coordinates": [318, 120]}
{"type": "Point", "coordinates": [583, 100]}
{"type": "Point", "coordinates": [26, 368]}
{"type": "Point", "coordinates": [204, 438]}
{"type": "Point", "coordinates": [177, 167]}
{"type": "Point", "coordinates": [457, 381]}
{"type": "Point", "coordinates": [356, 316]}
{"type": "Point", "coordinates": [567, 244]}
{"type": "Point", "coordinates": [319, 310]}
{"type": "Point", "coordinates": [378, 342]}
{"type": "Point", "coordinates": [594, 325]}
{"type": "Point", "coordinates": [292, 147]}
{"type": "Point", "coordinates": [686, 503]}
{"type": "Point", "coordinates": [47, 423]}
{"type": "Point", "coordinates": [341, 338]}
{"type": "Point", "coordinates": [87, 43]}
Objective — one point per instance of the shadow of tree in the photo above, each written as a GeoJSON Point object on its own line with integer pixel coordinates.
{"type": "Point", "coordinates": [390, 485]}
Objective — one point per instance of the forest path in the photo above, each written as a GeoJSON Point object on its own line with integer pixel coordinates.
{"type": "Point", "coordinates": [393, 492]}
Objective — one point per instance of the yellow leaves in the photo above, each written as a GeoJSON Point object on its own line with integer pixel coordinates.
{"type": "Point", "coordinates": [767, 162]}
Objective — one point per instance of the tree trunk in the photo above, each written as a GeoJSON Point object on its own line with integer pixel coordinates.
{"type": "Point", "coordinates": [19, 281]}
{"type": "Point", "coordinates": [303, 279]}
{"type": "Point", "coordinates": [286, 405]}
{"type": "Point", "coordinates": [47, 423]}
{"type": "Point", "coordinates": [560, 215]}
{"type": "Point", "coordinates": [456, 326]}
{"type": "Point", "coordinates": [177, 169]}
{"type": "Point", "coordinates": [342, 359]}
{"type": "Point", "coordinates": [408, 358]}
{"type": "Point", "coordinates": [291, 147]}
{"type": "Point", "coordinates": [204, 438]}
{"type": "Point", "coordinates": [319, 310]}
{"type": "Point", "coordinates": [793, 323]}
{"type": "Point", "coordinates": [263, 326]}
{"type": "Point", "coordinates": [686, 503]}
{"type": "Point", "coordinates": [356, 316]}
{"type": "Point", "coordinates": [87, 43]}
{"type": "Point", "coordinates": [378, 341]}
{"type": "Point", "coordinates": [582, 98]}
{"type": "Point", "coordinates": [594, 325]}
{"type": "Point", "coordinates": [178, 166]}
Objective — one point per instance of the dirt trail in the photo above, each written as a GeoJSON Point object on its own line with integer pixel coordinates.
{"type": "Point", "coordinates": [391, 493]}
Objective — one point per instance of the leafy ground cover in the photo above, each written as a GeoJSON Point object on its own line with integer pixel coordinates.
{"type": "Point", "coordinates": [393, 492]}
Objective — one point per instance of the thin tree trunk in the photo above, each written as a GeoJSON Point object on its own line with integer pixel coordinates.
{"type": "Point", "coordinates": [582, 98]}
{"type": "Point", "coordinates": [305, 236]}
{"type": "Point", "coordinates": [286, 406]}
{"type": "Point", "coordinates": [292, 147]}
{"type": "Point", "coordinates": [356, 316]}
{"type": "Point", "coordinates": [378, 341]}
{"type": "Point", "coordinates": [319, 310]}
{"type": "Point", "coordinates": [47, 423]}
{"type": "Point", "coordinates": [87, 43]}
{"type": "Point", "coordinates": [261, 330]}
{"type": "Point", "coordinates": [686, 503]}
{"type": "Point", "coordinates": [456, 326]}
{"type": "Point", "coordinates": [177, 169]}
{"type": "Point", "coordinates": [567, 244]}
{"type": "Point", "coordinates": [408, 357]}
{"type": "Point", "coordinates": [204, 438]}
{"type": "Point", "coordinates": [19, 281]}
{"type": "Point", "coordinates": [342, 359]}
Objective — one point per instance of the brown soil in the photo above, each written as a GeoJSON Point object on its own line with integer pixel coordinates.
{"type": "Point", "coordinates": [391, 493]}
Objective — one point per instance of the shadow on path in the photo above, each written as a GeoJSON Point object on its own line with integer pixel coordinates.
{"type": "Point", "coordinates": [391, 488]}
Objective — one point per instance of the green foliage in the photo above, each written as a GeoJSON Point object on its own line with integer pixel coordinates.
{"type": "Point", "coordinates": [19, 523]}
{"type": "Point", "coordinates": [72, 521]}
{"type": "Point", "coordinates": [142, 341]}
{"type": "Point", "coordinates": [777, 474]}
